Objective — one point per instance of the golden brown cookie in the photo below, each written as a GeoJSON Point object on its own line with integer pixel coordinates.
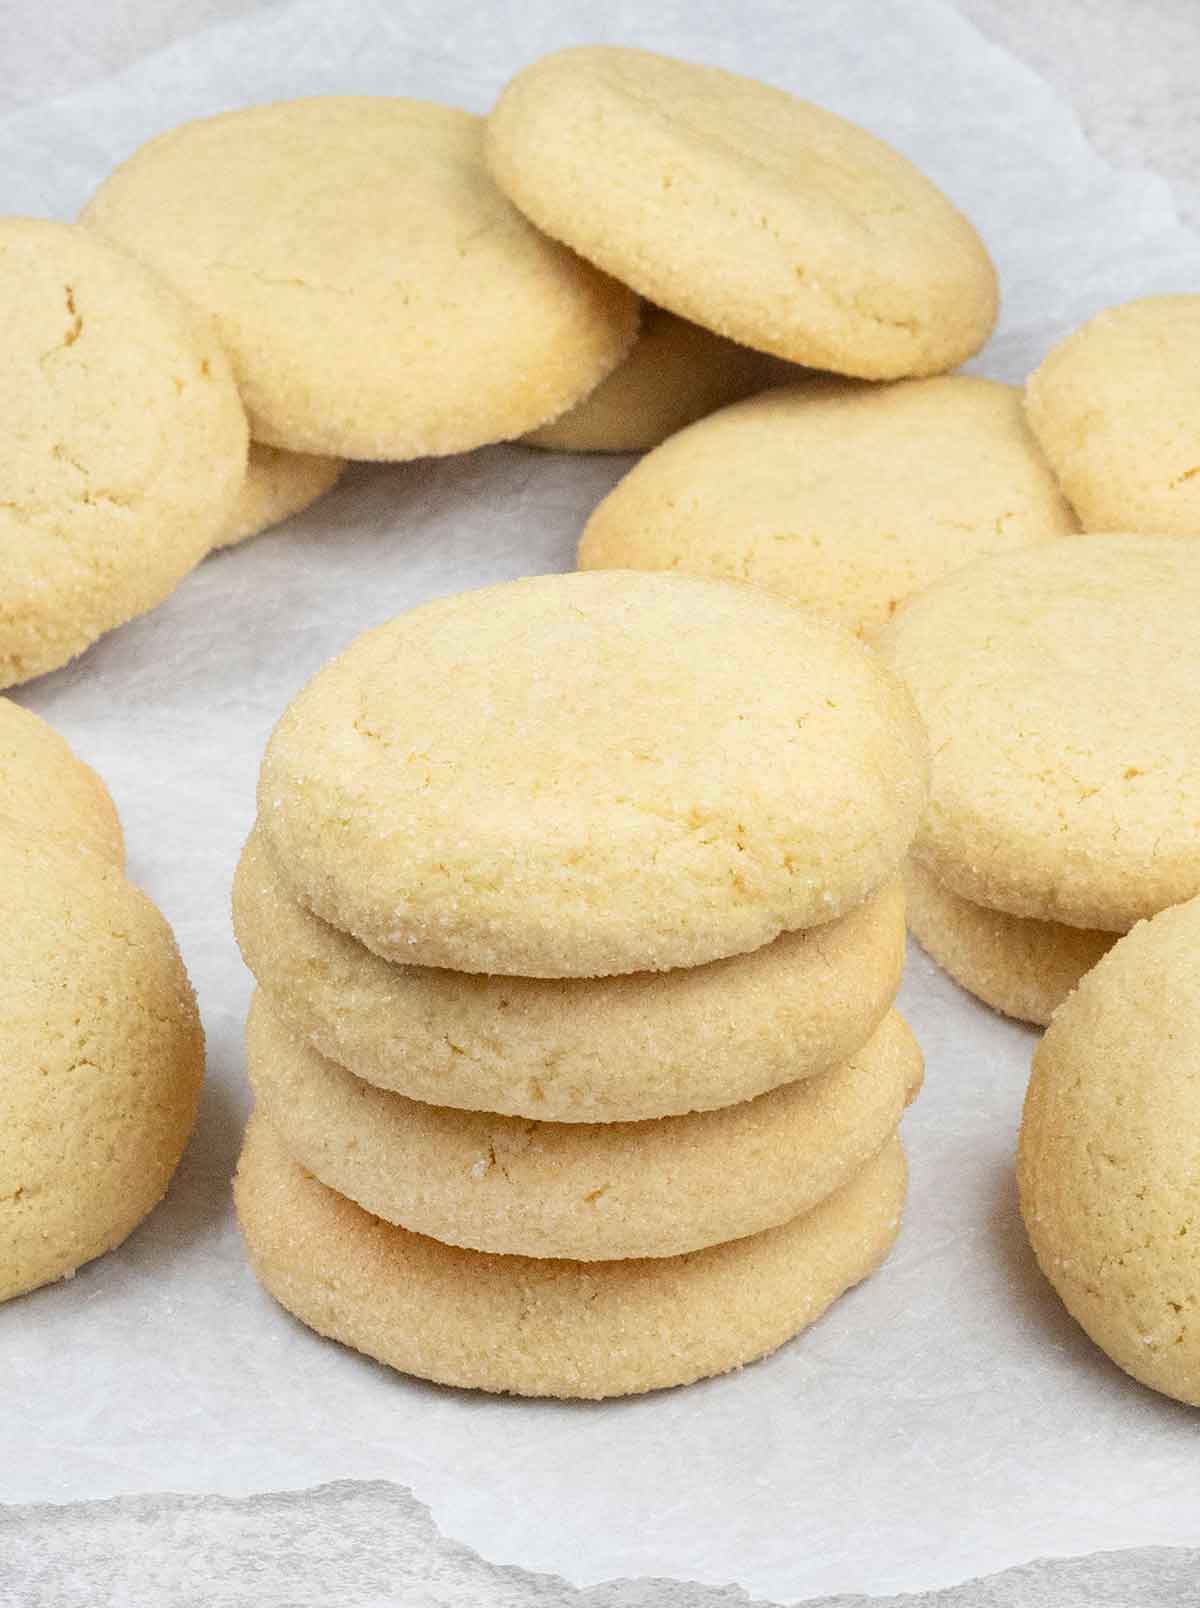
{"type": "Point", "coordinates": [604, 1049]}
{"type": "Point", "coordinates": [583, 775]}
{"type": "Point", "coordinates": [1109, 1166]}
{"type": "Point", "coordinates": [533, 1327]}
{"type": "Point", "coordinates": [47, 789]}
{"type": "Point", "coordinates": [735, 205]}
{"type": "Point", "coordinates": [277, 485]}
{"type": "Point", "coordinates": [589, 1191]}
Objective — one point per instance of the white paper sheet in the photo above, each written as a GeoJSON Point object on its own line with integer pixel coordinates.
{"type": "Point", "coordinates": [945, 1420]}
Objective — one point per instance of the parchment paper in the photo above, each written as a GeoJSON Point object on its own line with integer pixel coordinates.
{"type": "Point", "coordinates": [943, 1421]}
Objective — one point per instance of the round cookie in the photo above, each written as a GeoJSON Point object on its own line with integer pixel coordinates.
{"type": "Point", "coordinates": [1058, 685]}
{"type": "Point", "coordinates": [379, 296]}
{"type": "Point", "coordinates": [277, 485]}
{"type": "Point", "coordinates": [103, 1056]}
{"type": "Point", "coordinates": [1109, 1166]}
{"type": "Point", "coordinates": [122, 442]}
{"type": "Point", "coordinates": [1116, 407]}
{"type": "Point", "coordinates": [582, 775]}
{"type": "Point", "coordinates": [47, 789]}
{"type": "Point", "coordinates": [606, 1049]}
{"type": "Point", "coordinates": [798, 491]}
{"type": "Point", "coordinates": [743, 209]}
{"type": "Point", "coordinates": [676, 373]}
{"type": "Point", "coordinates": [1022, 967]}
{"type": "Point", "coordinates": [590, 1191]}
{"type": "Point", "coordinates": [533, 1327]}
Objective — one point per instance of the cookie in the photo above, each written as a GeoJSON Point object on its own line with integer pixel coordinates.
{"type": "Point", "coordinates": [102, 1053]}
{"type": "Point", "coordinates": [606, 1049]}
{"type": "Point", "coordinates": [47, 789]}
{"type": "Point", "coordinates": [1109, 1166]}
{"type": "Point", "coordinates": [277, 485]}
{"type": "Point", "coordinates": [533, 1327]}
{"type": "Point", "coordinates": [589, 1191]}
{"type": "Point", "coordinates": [1116, 407]}
{"type": "Point", "coordinates": [797, 490]}
{"type": "Point", "coordinates": [379, 296]}
{"type": "Point", "coordinates": [122, 442]}
{"type": "Point", "coordinates": [1022, 967]}
{"type": "Point", "coordinates": [582, 775]}
{"type": "Point", "coordinates": [1058, 684]}
{"type": "Point", "coordinates": [676, 373]}
{"type": "Point", "coordinates": [733, 204]}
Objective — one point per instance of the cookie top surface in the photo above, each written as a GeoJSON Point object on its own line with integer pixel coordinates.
{"type": "Point", "coordinates": [379, 296]}
{"type": "Point", "coordinates": [122, 442]}
{"type": "Point", "coordinates": [746, 210]}
{"type": "Point", "coordinates": [590, 1191]}
{"type": "Point", "coordinates": [1116, 408]}
{"type": "Point", "coordinates": [1109, 1167]}
{"type": "Point", "coordinates": [102, 1053]}
{"type": "Point", "coordinates": [797, 490]}
{"type": "Point", "coordinates": [47, 789]}
{"type": "Point", "coordinates": [1059, 685]}
{"type": "Point", "coordinates": [579, 775]}
{"type": "Point", "coordinates": [548, 1327]}
{"type": "Point", "coordinates": [277, 485]}
{"type": "Point", "coordinates": [676, 373]}
{"type": "Point", "coordinates": [606, 1049]}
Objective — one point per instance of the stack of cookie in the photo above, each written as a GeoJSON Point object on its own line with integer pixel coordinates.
{"type": "Point", "coordinates": [574, 911]}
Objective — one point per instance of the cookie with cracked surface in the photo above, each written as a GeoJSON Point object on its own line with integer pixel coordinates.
{"type": "Point", "coordinates": [1021, 967]}
{"type": "Point", "coordinates": [1109, 1163]}
{"type": "Point", "coordinates": [676, 373]}
{"type": "Point", "coordinates": [735, 205]}
{"type": "Point", "coordinates": [606, 1049]}
{"type": "Point", "coordinates": [845, 498]}
{"type": "Point", "coordinates": [120, 458]}
{"type": "Point", "coordinates": [103, 1056]}
{"type": "Point", "coordinates": [1115, 406]}
{"type": "Point", "coordinates": [353, 333]}
{"type": "Point", "coordinates": [1058, 684]}
{"type": "Point", "coordinates": [545, 1327]}
{"type": "Point", "coordinates": [277, 485]}
{"type": "Point", "coordinates": [583, 775]}
{"type": "Point", "coordinates": [590, 1191]}
{"type": "Point", "coordinates": [48, 789]}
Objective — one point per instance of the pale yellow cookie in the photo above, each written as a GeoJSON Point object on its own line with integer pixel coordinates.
{"type": "Point", "coordinates": [586, 1190]}
{"type": "Point", "coordinates": [277, 485]}
{"type": "Point", "coordinates": [581, 775]}
{"type": "Point", "coordinates": [605, 1049]}
{"type": "Point", "coordinates": [102, 1055]}
{"type": "Point", "coordinates": [844, 498]}
{"type": "Point", "coordinates": [45, 788]}
{"type": "Point", "coordinates": [1116, 407]}
{"type": "Point", "coordinates": [533, 1327]}
{"type": "Point", "coordinates": [379, 296]}
{"type": "Point", "coordinates": [1059, 685]}
{"type": "Point", "coordinates": [1109, 1167]}
{"type": "Point", "coordinates": [122, 442]}
{"type": "Point", "coordinates": [735, 205]}
{"type": "Point", "coordinates": [1022, 967]}
{"type": "Point", "coordinates": [676, 373]}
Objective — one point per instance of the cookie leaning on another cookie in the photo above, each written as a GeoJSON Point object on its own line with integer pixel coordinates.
{"type": "Point", "coordinates": [844, 498]}
{"type": "Point", "coordinates": [48, 790]}
{"type": "Point", "coordinates": [277, 485]}
{"type": "Point", "coordinates": [1116, 408]}
{"type": "Point", "coordinates": [1109, 1166]}
{"type": "Point", "coordinates": [356, 331]}
{"type": "Point", "coordinates": [605, 1049]}
{"type": "Point", "coordinates": [103, 1056]}
{"type": "Point", "coordinates": [584, 775]}
{"type": "Point", "coordinates": [533, 1327]}
{"type": "Point", "coordinates": [589, 1191]}
{"type": "Point", "coordinates": [733, 204]}
{"type": "Point", "coordinates": [122, 442]}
